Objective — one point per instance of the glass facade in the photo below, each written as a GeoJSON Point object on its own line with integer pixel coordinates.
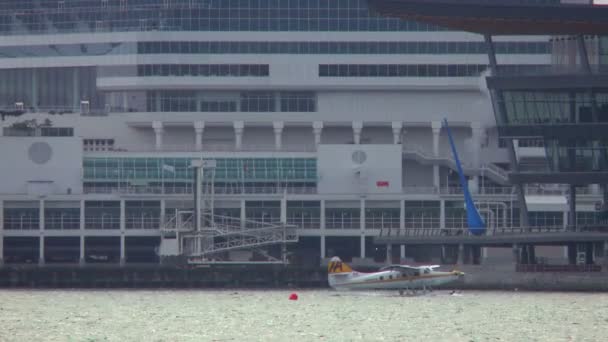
{"type": "Point", "coordinates": [268, 47]}
{"type": "Point", "coordinates": [577, 156]}
{"type": "Point", "coordinates": [205, 70]}
{"type": "Point", "coordinates": [560, 107]}
{"type": "Point", "coordinates": [178, 169]}
{"type": "Point", "coordinates": [227, 101]}
{"type": "Point", "coordinates": [51, 89]}
{"type": "Point", "coordinates": [52, 17]}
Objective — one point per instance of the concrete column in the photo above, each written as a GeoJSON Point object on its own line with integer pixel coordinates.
{"type": "Point", "coordinates": [199, 127]}
{"type": "Point", "coordinates": [123, 215]}
{"type": "Point", "coordinates": [572, 207]}
{"type": "Point", "coordinates": [436, 127]}
{"type": "Point", "coordinates": [362, 242]}
{"type": "Point", "coordinates": [402, 215]}
{"type": "Point", "coordinates": [397, 127]}
{"type": "Point", "coordinates": [1, 250]}
{"type": "Point", "coordinates": [516, 256]}
{"type": "Point", "coordinates": [323, 256]}
{"type": "Point", "coordinates": [477, 132]}
{"type": "Point", "coordinates": [389, 254]}
{"type": "Point", "coordinates": [322, 215]}
{"type": "Point", "coordinates": [362, 214]}
{"type": "Point", "coordinates": [2, 128]}
{"type": "Point", "coordinates": [278, 126]}
{"type": "Point", "coordinates": [163, 208]}
{"type": "Point", "coordinates": [362, 225]}
{"type": "Point", "coordinates": [317, 129]}
{"type": "Point", "coordinates": [284, 209]}
{"type": "Point", "coordinates": [605, 253]}
{"type": "Point", "coordinates": [35, 89]}
{"type": "Point", "coordinates": [243, 214]}
{"type": "Point", "coordinates": [82, 217]}
{"type": "Point", "coordinates": [239, 127]}
{"type": "Point", "coordinates": [75, 91]}
{"type": "Point", "coordinates": [402, 253]}
{"type": "Point", "coordinates": [82, 259]}
{"type": "Point", "coordinates": [41, 215]}
{"type": "Point", "coordinates": [123, 254]}
{"type": "Point", "coordinates": [460, 254]}
{"type": "Point", "coordinates": [158, 134]}
{"type": "Point", "coordinates": [41, 250]}
{"type": "Point", "coordinates": [357, 128]}
{"type": "Point", "coordinates": [442, 214]}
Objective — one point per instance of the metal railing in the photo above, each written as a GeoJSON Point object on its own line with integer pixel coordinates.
{"type": "Point", "coordinates": [305, 222]}
{"type": "Point", "coordinates": [102, 222]}
{"type": "Point", "coordinates": [382, 222]}
{"type": "Point", "coordinates": [64, 222]}
{"type": "Point", "coordinates": [342, 223]}
{"type": "Point", "coordinates": [214, 148]}
{"type": "Point", "coordinates": [187, 190]}
{"type": "Point", "coordinates": [142, 222]}
{"type": "Point", "coordinates": [444, 232]}
{"type": "Point", "coordinates": [21, 222]}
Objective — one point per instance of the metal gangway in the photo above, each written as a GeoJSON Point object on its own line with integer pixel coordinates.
{"type": "Point", "coordinates": [206, 238]}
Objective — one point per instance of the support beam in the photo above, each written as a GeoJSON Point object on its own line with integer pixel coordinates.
{"type": "Point", "coordinates": [397, 127]}
{"type": "Point", "coordinates": [123, 252]}
{"type": "Point", "coordinates": [402, 253]}
{"type": "Point", "coordinates": [461, 257]}
{"type": "Point", "coordinates": [82, 260]}
{"type": "Point", "coordinates": [277, 127]}
{"type": "Point", "coordinates": [572, 207]}
{"type": "Point", "coordinates": [357, 129]}
{"type": "Point", "coordinates": [199, 127]}
{"type": "Point", "coordinates": [123, 216]}
{"type": "Point", "coordinates": [402, 215]}
{"type": "Point", "coordinates": [322, 215]}
{"type": "Point", "coordinates": [239, 128]}
{"type": "Point", "coordinates": [389, 254]}
{"type": "Point", "coordinates": [158, 134]}
{"type": "Point", "coordinates": [82, 217]}
{"type": "Point", "coordinates": [243, 214]}
{"type": "Point", "coordinates": [436, 129]}
{"type": "Point", "coordinates": [41, 250]}
{"type": "Point", "coordinates": [362, 246]}
{"type": "Point", "coordinates": [516, 256]}
{"type": "Point", "coordinates": [323, 251]}
{"type": "Point", "coordinates": [317, 129]}
{"type": "Point", "coordinates": [41, 220]}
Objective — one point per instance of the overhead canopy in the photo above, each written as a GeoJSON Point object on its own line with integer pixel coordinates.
{"type": "Point", "coordinates": [501, 17]}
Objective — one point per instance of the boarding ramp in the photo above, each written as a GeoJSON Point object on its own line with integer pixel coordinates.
{"type": "Point", "coordinates": [419, 154]}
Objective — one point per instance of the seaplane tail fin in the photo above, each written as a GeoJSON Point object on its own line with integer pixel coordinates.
{"type": "Point", "coordinates": [336, 266]}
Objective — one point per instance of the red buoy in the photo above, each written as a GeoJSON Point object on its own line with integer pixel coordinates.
{"type": "Point", "coordinates": [293, 296]}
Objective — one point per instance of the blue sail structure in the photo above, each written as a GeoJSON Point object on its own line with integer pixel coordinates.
{"type": "Point", "coordinates": [474, 220]}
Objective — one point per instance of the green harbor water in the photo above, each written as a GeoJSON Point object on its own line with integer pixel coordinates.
{"type": "Point", "coordinates": [319, 315]}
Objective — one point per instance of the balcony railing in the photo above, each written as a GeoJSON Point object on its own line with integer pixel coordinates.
{"type": "Point", "coordinates": [102, 222]}
{"type": "Point", "coordinates": [214, 148]}
{"type": "Point", "coordinates": [21, 222]}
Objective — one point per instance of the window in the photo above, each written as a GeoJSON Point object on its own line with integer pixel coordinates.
{"type": "Point", "coordinates": [262, 102]}
{"type": "Point", "coordinates": [400, 70]}
{"type": "Point", "coordinates": [298, 102]}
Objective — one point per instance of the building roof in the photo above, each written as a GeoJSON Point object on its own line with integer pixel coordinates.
{"type": "Point", "coordinates": [501, 17]}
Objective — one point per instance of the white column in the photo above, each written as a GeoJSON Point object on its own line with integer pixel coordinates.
{"type": "Point", "coordinates": [243, 214]}
{"type": "Point", "coordinates": [284, 209]}
{"type": "Point", "coordinates": [277, 126]}
{"type": "Point", "coordinates": [163, 209]}
{"type": "Point", "coordinates": [389, 254]}
{"type": "Point", "coordinates": [402, 253]}
{"type": "Point", "coordinates": [34, 90]}
{"type": "Point", "coordinates": [323, 256]}
{"type": "Point", "coordinates": [1, 230]}
{"type": "Point", "coordinates": [317, 129]}
{"type": "Point", "coordinates": [75, 91]}
{"type": "Point", "coordinates": [1, 128]}
{"type": "Point", "coordinates": [41, 215]}
{"type": "Point", "coordinates": [1, 215]}
{"type": "Point", "coordinates": [1, 250]}
{"type": "Point", "coordinates": [158, 134]}
{"type": "Point", "coordinates": [357, 128]}
{"type": "Point", "coordinates": [436, 126]}
{"type": "Point", "coordinates": [362, 225]}
{"type": "Point", "coordinates": [82, 217]}
{"type": "Point", "coordinates": [41, 250]}
{"type": "Point", "coordinates": [401, 214]}
{"type": "Point", "coordinates": [442, 214]}
{"type": "Point", "coordinates": [199, 127]}
{"type": "Point", "coordinates": [322, 215]}
{"type": "Point", "coordinates": [595, 189]}
{"type": "Point", "coordinates": [82, 259]}
{"type": "Point", "coordinates": [239, 127]}
{"type": "Point", "coordinates": [123, 253]}
{"type": "Point", "coordinates": [397, 127]}
{"type": "Point", "coordinates": [123, 216]}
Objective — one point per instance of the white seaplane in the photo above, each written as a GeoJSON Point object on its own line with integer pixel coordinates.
{"type": "Point", "coordinates": [395, 277]}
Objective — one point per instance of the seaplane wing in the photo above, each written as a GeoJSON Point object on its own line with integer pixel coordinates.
{"type": "Point", "coordinates": [397, 277]}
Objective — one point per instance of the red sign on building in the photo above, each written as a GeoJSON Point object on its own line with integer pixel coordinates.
{"type": "Point", "coordinates": [382, 184]}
